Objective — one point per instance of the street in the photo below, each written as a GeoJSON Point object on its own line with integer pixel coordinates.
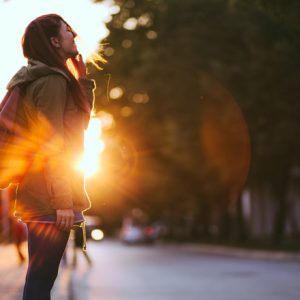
{"type": "Point", "coordinates": [160, 272]}
{"type": "Point", "coordinates": [169, 273]}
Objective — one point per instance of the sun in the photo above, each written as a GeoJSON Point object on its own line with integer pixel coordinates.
{"type": "Point", "coordinates": [93, 146]}
{"type": "Point", "coordinates": [94, 143]}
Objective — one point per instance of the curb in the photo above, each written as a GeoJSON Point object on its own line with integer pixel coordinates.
{"type": "Point", "coordinates": [241, 253]}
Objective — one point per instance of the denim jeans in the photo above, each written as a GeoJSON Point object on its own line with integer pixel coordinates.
{"type": "Point", "coordinates": [46, 245]}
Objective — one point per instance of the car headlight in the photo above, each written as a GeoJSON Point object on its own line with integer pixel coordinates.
{"type": "Point", "coordinates": [97, 234]}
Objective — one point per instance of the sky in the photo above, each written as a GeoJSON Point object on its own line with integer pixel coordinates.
{"type": "Point", "coordinates": [87, 18]}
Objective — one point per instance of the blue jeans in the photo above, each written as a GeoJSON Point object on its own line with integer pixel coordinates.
{"type": "Point", "coordinates": [46, 245]}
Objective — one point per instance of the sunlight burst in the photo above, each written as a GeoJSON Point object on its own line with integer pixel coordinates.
{"type": "Point", "coordinates": [93, 146]}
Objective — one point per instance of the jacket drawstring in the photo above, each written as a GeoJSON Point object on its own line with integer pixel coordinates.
{"type": "Point", "coordinates": [83, 226]}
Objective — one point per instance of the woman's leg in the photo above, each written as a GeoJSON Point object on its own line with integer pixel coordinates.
{"type": "Point", "coordinates": [46, 245]}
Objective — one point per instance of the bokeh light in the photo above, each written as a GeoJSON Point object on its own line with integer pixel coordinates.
{"type": "Point", "coordinates": [151, 35]}
{"type": "Point", "coordinates": [130, 24]}
{"type": "Point", "coordinates": [97, 234]}
{"type": "Point", "coordinates": [126, 111]}
{"type": "Point", "coordinates": [116, 92]}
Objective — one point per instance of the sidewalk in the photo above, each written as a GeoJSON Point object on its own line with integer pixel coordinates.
{"type": "Point", "coordinates": [12, 276]}
{"type": "Point", "coordinates": [11, 273]}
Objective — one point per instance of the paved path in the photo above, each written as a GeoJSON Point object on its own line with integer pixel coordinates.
{"type": "Point", "coordinates": [12, 276]}
{"type": "Point", "coordinates": [161, 272]}
{"type": "Point", "coordinates": [183, 273]}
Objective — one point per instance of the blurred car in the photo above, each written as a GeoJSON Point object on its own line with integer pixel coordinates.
{"type": "Point", "coordinates": [138, 234]}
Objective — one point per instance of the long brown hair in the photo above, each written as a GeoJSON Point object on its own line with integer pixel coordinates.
{"type": "Point", "coordinates": [36, 45]}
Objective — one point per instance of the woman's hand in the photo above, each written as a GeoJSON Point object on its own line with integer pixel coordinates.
{"type": "Point", "coordinates": [64, 219]}
{"type": "Point", "coordinates": [79, 66]}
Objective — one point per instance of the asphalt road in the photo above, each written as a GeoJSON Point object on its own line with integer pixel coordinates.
{"type": "Point", "coordinates": [160, 272]}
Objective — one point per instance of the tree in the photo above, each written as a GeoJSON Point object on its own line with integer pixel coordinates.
{"type": "Point", "coordinates": [196, 77]}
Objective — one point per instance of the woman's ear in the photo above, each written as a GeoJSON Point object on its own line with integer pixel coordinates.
{"type": "Point", "coordinates": [55, 42]}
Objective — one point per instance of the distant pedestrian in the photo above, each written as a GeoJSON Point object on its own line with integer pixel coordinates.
{"type": "Point", "coordinates": [58, 100]}
{"type": "Point", "coordinates": [19, 237]}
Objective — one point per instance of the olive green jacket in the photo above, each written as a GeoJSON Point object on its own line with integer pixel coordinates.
{"type": "Point", "coordinates": [56, 125]}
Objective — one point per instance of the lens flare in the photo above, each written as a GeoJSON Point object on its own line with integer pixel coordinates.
{"type": "Point", "coordinates": [93, 146]}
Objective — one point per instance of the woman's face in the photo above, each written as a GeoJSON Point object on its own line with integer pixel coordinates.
{"type": "Point", "coordinates": [67, 47]}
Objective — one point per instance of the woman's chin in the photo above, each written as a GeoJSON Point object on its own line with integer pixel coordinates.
{"type": "Point", "coordinates": [73, 54]}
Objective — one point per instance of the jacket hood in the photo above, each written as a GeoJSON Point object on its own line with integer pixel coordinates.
{"type": "Point", "coordinates": [34, 70]}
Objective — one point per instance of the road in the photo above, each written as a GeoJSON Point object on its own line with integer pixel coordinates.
{"type": "Point", "coordinates": [174, 273]}
{"type": "Point", "coordinates": [160, 272]}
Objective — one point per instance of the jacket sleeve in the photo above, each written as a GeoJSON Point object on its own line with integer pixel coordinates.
{"type": "Point", "coordinates": [88, 86]}
{"type": "Point", "coordinates": [50, 99]}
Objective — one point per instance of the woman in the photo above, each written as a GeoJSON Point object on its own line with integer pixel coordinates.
{"type": "Point", "coordinates": [51, 196]}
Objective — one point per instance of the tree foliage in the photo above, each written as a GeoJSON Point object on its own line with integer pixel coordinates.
{"type": "Point", "coordinates": [206, 84]}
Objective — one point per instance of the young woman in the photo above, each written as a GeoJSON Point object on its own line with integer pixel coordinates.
{"type": "Point", "coordinates": [51, 196]}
